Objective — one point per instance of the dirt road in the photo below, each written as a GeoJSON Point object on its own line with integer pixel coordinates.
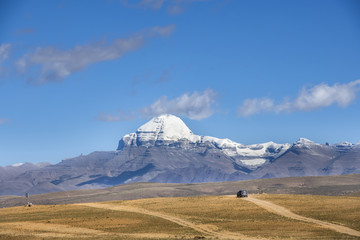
{"type": "Point", "coordinates": [271, 207]}
{"type": "Point", "coordinates": [209, 230]}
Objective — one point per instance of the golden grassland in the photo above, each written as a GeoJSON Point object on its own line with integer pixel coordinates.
{"type": "Point", "coordinates": [107, 222]}
{"type": "Point", "coordinates": [210, 217]}
{"type": "Point", "coordinates": [339, 210]}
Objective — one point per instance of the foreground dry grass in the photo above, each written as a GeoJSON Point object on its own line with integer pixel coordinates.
{"type": "Point", "coordinates": [72, 221]}
{"type": "Point", "coordinates": [213, 217]}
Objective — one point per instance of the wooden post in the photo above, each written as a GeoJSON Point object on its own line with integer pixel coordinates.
{"type": "Point", "coordinates": [27, 199]}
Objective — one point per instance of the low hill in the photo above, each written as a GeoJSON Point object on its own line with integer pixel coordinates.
{"type": "Point", "coordinates": [323, 185]}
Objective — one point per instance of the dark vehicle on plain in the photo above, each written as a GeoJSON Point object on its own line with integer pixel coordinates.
{"type": "Point", "coordinates": [242, 193]}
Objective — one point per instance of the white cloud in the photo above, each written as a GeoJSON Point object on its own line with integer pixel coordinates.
{"type": "Point", "coordinates": [197, 105]}
{"type": "Point", "coordinates": [323, 95]}
{"type": "Point", "coordinates": [194, 106]}
{"type": "Point", "coordinates": [56, 64]}
{"type": "Point", "coordinates": [319, 96]}
{"type": "Point", "coordinates": [256, 105]}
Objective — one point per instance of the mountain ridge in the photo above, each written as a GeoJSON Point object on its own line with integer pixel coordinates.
{"type": "Point", "coordinates": [157, 132]}
{"type": "Point", "coordinates": [165, 150]}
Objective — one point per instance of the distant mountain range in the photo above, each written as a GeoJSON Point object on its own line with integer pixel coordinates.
{"type": "Point", "coordinates": [339, 185]}
{"type": "Point", "coordinates": [165, 150]}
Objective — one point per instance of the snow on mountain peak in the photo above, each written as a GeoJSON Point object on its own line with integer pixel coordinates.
{"type": "Point", "coordinates": [17, 164]}
{"type": "Point", "coordinates": [302, 141]}
{"type": "Point", "coordinates": [164, 127]}
{"type": "Point", "coordinates": [305, 143]}
{"type": "Point", "coordinates": [344, 144]}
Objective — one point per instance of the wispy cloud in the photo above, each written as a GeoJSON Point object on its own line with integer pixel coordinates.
{"type": "Point", "coordinates": [107, 117]}
{"type": "Point", "coordinates": [119, 116]}
{"type": "Point", "coordinates": [165, 76]}
{"type": "Point", "coordinates": [25, 31]}
{"type": "Point", "coordinates": [180, 6]}
{"type": "Point", "coordinates": [146, 4]}
{"type": "Point", "coordinates": [4, 120]}
{"type": "Point", "coordinates": [153, 4]}
{"type": "Point", "coordinates": [4, 53]}
{"type": "Point", "coordinates": [174, 7]}
{"type": "Point", "coordinates": [197, 105]}
{"type": "Point", "coordinates": [319, 96]}
{"type": "Point", "coordinates": [55, 64]}
{"type": "Point", "coordinates": [162, 31]}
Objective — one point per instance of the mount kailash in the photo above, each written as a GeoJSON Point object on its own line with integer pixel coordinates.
{"type": "Point", "coordinates": [166, 150]}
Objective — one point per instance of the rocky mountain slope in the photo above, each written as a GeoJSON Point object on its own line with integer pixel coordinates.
{"type": "Point", "coordinates": [170, 131]}
{"type": "Point", "coordinates": [165, 150]}
{"type": "Point", "coordinates": [307, 158]}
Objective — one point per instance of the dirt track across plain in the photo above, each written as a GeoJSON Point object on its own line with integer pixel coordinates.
{"type": "Point", "coordinates": [271, 207]}
{"type": "Point", "coordinates": [206, 229]}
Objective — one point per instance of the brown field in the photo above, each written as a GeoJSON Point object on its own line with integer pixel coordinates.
{"type": "Point", "coordinates": [206, 217]}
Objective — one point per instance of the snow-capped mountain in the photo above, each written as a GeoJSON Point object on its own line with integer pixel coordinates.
{"type": "Point", "coordinates": [169, 130]}
{"type": "Point", "coordinates": [166, 150]}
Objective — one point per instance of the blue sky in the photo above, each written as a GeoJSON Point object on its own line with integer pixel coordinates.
{"type": "Point", "coordinates": [75, 76]}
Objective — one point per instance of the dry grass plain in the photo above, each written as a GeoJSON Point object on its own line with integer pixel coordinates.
{"type": "Point", "coordinates": [205, 217]}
